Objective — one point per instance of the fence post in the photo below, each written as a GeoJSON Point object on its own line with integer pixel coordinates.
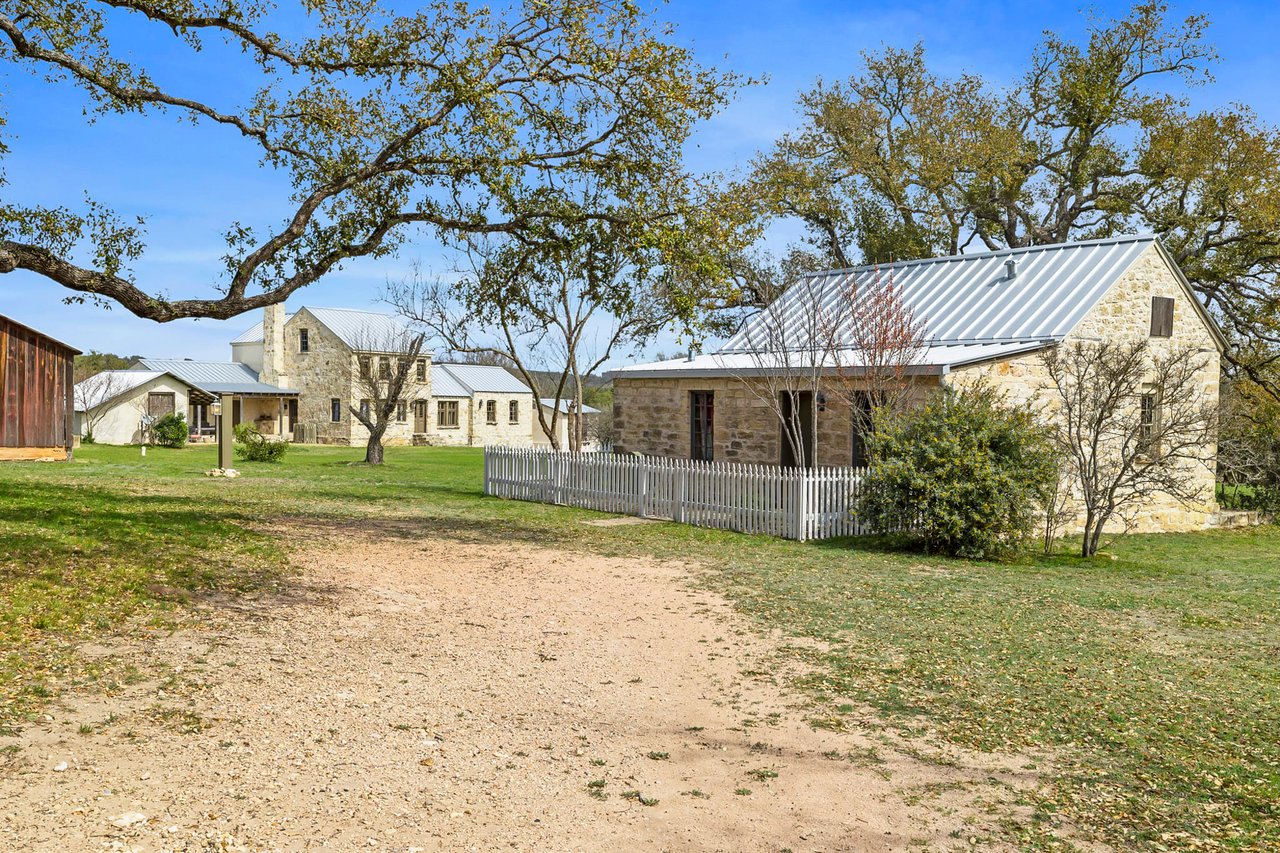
{"type": "Point", "coordinates": [642, 498]}
{"type": "Point", "coordinates": [486, 472]}
{"type": "Point", "coordinates": [681, 494]}
{"type": "Point", "coordinates": [801, 507]}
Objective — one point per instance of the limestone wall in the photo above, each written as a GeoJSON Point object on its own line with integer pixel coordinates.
{"type": "Point", "coordinates": [652, 416]}
{"type": "Point", "coordinates": [331, 370]}
{"type": "Point", "coordinates": [1124, 315]}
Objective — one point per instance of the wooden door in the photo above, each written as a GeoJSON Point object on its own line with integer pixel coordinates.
{"type": "Point", "coordinates": [419, 415]}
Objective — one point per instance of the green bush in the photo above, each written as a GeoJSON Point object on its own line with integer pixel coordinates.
{"type": "Point", "coordinates": [170, 431]}
{"type": "Point", "coordinates": [253, 446]}
{"type": "Point", "coordinates": [965, 474]}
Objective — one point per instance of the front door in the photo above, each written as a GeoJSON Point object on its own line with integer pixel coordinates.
{"type": "Point", "coordinates": [797, 429]}
{"type": "Point", "coordinates": [419, 415]}
{"type": "Point", "coordinates": [293, 415]}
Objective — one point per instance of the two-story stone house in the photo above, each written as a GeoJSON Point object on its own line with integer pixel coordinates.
{"type": "Point", "coordinates": [988, 314]}
{"type": "Point", "coordinates": [324, 353]}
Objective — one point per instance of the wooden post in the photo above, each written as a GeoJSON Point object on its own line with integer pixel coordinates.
{"type": "Point", "coordinates": [224, 433]}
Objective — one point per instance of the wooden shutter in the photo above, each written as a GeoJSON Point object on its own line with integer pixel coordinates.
{"type": "Point", "coordinates": [1161, 317]}
{"type": "Point", "coordinates": [160, 404]}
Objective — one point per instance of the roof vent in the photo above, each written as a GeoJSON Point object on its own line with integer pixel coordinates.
{"type": "Point", "coordinates": [1011, 269]}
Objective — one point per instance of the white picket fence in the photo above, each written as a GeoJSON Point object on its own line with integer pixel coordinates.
{"type": "Point", "coordinates": [788, 502]}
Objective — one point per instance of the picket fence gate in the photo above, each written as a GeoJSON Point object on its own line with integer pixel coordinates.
{"type": "Point", "coordinates": [814, 503]}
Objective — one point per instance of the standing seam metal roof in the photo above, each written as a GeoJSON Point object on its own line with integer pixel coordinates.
{"type": "Point", "coordinates": [465, 380]}
{"type": "Point", "coordinates": [969, 299]}
{"type": "Point", "coordinates": [214, 377]}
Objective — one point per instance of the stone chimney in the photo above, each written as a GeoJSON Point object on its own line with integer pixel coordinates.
{"type": "Point", "coordinates": [273, 365]}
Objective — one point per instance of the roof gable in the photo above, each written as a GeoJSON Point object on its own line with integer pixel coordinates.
{"type": "Point", "coordinates": [971, 299]}
{"type": "Point", "coordinates": [110, 385]}
{"type": "Point", "coordinates": [365, 331]}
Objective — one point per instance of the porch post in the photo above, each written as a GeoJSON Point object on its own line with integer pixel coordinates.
{"type": "Point", "coordinates": [224, 433]}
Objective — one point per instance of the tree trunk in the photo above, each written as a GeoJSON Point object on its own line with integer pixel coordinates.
{"type": "Point", "coordinates": [373, 450]}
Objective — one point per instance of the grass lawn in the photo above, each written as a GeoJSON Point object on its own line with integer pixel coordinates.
{"type": "Point", "coordinates": [1152, 681]}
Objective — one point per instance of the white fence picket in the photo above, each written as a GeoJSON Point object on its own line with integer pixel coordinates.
{"type": "Point", "coordinates": [787, 502]}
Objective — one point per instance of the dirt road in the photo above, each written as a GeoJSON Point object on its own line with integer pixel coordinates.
{"type": "Point", "coordinates": [419, 694]}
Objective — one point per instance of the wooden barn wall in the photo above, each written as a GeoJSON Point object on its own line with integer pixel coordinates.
{"type": "Point", "coordinates": [35, 388]}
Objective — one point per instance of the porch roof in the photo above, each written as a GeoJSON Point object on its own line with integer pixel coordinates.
{"type": "Point", "coordinates": [217, 377]}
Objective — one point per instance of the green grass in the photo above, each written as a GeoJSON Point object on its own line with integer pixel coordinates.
{"type": "Point", "coordinates": [1151, 682]}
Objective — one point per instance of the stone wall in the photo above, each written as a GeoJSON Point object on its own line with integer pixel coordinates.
{"type": "Point", "coordinates": [1123, 316]}
{"type": "Point", "coordinates": [652, 416]}
{"type": "Point", "coordinates": [331, 370]}
{"type": "Point", "coordinates": [473, 428]}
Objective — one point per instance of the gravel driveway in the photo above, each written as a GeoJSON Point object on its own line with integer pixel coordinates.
{"type": "Point", "coordinates": [423, 694]}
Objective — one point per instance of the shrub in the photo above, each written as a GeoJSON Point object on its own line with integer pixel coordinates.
{"type": "Point", "coordinates": [253, 446]}
{"type": "Point", "coordinates": [965, 474]}
{"type": "Point", "coordinates": [170, 431]}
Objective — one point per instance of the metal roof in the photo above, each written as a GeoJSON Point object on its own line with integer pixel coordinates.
{"type": "Point", "coordinates": [216, 377]}
{"type": "Point", "coordinates": [967, 299]}
{"type": "Point", "coordinates": [444, 385]}
{"type": "Point", "coordinates": [550, 403]}
{"type": "Point", "coordinates": [369, 331]}
{"type": "Point", "coordinates": [465, 380]}
{"type": "Point", "coordinates": [253, 334]}
{"type": "Point", "coordinates": [103, 387]}
{"type": "Point", "coordinates": [932, 360]}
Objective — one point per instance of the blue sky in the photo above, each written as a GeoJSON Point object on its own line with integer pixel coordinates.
{"type": "Point", "coordinates": [191, 183]}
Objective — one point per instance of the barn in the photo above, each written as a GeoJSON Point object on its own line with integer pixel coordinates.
{"type": "Point", "coordinates": [35, 390]}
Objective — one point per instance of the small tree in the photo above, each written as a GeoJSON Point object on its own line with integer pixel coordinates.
{"type": "Point", "coordinates": [383, 369]}
{"type": "Point", "coordinates": [964, 474]}
{"type": "Point", "coordinates": [91, 395]}
{"type": "Point", "coordinates": [1132, 425]}
{"type": "Point", "coordinates": [790, 346]}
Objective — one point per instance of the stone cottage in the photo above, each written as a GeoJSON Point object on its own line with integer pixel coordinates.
{"type": "Point", "coordinates": [985, 315]}
{"type": "Point", "coordinates": [477, 404]}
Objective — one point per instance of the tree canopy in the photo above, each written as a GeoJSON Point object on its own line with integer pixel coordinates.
{"type": "Point", "coordinates": [458, 118]}
{"type": "Point", "coordinates": [1094, 140]}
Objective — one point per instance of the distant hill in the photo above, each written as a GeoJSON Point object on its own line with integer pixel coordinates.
{"type": "Point", "coordinates": [94, 362]}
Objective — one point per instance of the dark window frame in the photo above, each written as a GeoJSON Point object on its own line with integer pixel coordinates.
{"type": "Point", "coordinates": [702, 425]}
{"type": "Point", "coordinates": [402, 411]}
{"type": "Point", "coordinates": [491, 412]}
{"type": "Point", "coordinates": [335, 410]}
{"type": "Point", "coordinates": [304, 340]}
{"type": "Point", "coordinates": [421, 367]}
{"type": "Point", "coordinates": [513, 412]}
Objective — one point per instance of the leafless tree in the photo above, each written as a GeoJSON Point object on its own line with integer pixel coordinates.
{"type": "Point", "coordinates": [783, 353]}
{"type": "Point", "coordinates": [92, 393]}
{"type": "Point", "coordinates": [384, 368]}
{"type": "Point", "coordinates": [881, 344]}
{"type": "Point", "coordinates": [555, 312]}
{"type": "Point", "coordinates": [1132, 424]}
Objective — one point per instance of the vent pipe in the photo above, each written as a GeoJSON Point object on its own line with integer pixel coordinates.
{"type": "Point", "coordinates": [1011, 269]}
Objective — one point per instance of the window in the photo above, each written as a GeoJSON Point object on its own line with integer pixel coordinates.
{"type": "Point", "coordinates": [335, 410]}
{"type": "Point", "coordinates": [304, 341]}
{"type": "Point", "coordinates": [491, 412]}
{"type": "Point", "coordinates": [402, 411]}
{"type": "Point", "coordinates": [513, 411]}
{"type": "Point", "coordinates": [447, 414]}
{"type": "Point", "coordinates": [364, 408]}
{"type": "Point", "coordinates": [1161, 317]}
{"type": "Point", "coordinates": [861, 428]}
{"type": "Point", "coordinates": [701, 425]}
{"type": "Point", "coordinates": [160, 403]}
{"type": "Point", "coordinates": [422, 369]}
{"type": "Point", "coordinates": [366, 367]}
{"type": "Point", "coordinates": [1149, 423]}
{"type": "Point", "coordinates": [384, 368]}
